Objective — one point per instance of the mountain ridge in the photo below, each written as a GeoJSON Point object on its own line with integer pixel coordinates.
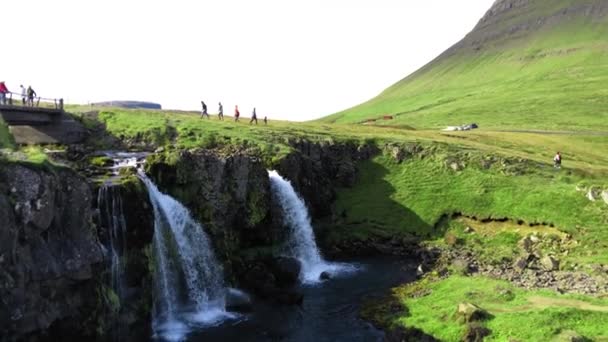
{"type": "Point", "coordinates": [517, 44]}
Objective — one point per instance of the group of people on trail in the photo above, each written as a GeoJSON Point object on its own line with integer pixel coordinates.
{"type": "Point", "coordinates": [27, 94]}
{"type": "Point", "coordinates": [237, 113]}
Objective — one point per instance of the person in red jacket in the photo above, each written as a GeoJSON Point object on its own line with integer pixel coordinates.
{"type": "Point", "coordinates": [3, 92]}
{"type": "Point", "coordinates": [236, 113]}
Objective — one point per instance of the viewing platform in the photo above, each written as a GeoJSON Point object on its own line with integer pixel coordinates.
{"type": "Point", "coordinates": [40, 121]}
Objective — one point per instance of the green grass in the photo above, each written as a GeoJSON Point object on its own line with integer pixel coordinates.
{"type": "Point", "coordinates": [6, 139]}
{"type": "Point", "coordinates": [515, 313]}
{"type": "Point", "coordinates": [554, 78]}
{"type": "Point", "coordinates": [392, 198]}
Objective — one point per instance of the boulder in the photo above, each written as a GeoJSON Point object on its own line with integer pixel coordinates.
{"type": "Point", "coordinates": [420, 270]}
{"type": "Point", "coordinates": [286, 270]}
{"type": "Point", "coordinates": [526, 244]}
{"type": "Point", "coordinates": [521, 263]}
{"type": "Point", "coordinates": [325, 276]}
{"type": "Point", "coordinates": [593, 194]}
{"type": "Point", "coordinates": [468, 312]}
{"type": "Point", "coordinates": [237, 300]}
{"type": "Point", "coordinates": [475, 332]}
{"type": "Point", "coordinates": [570, 336]}
{"type": "Point", "coordinates": [549, 263]}
{"type": "Point", "coordinates": [461, 266]}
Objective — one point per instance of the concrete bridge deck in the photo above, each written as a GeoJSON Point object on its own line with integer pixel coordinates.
{"type": "Point", "coordinates": [42, 125]}
{"type": "Point", "coordinates": [29, 116]}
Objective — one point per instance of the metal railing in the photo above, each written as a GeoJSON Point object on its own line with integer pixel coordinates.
{"type": "Point", "coordinates": [36, 101]}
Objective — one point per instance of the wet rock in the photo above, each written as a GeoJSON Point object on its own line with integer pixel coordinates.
{"type": "Point", "coordinates": [49, 248]}
{"type": "Point", "coordinates": [420, 270]}
{"type": "Point", "coordinates": [237, 300]}
{"type": "Point", "coordinates": [550, 263]}
{"type": "Point", "coordinates": [286, 271]}
{"type": "Point", "coordinates": [325, 276]}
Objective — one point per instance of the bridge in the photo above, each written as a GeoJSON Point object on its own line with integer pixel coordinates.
{"type": "Point", "coordinates": [39, 121]}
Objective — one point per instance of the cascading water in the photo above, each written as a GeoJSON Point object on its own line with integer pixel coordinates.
{"type": "Point", "coordinates": [189, 280]}
{"type": "Point", "coordinates": [110, 207]}
{"type": "Point", "coordinates": [301, 240]}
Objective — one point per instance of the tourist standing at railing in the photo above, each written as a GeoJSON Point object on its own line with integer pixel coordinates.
{"type": "Point", "coordinates": [23, 94]}
{"type": "Point", "coordinates": [31, 93]}
{"type": "Point", "coordinates": [3, 92]}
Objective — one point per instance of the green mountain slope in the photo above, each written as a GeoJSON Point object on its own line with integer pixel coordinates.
{"type": "Point", "coordinates": [527, 64]}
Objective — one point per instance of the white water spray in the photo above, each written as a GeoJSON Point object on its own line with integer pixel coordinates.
{"type": "Point", "coordinates": [301, 240]}
{"type": "Point", "coordinates": [190, 290]}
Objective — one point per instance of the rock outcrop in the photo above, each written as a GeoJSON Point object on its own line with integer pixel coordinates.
{"type": "Point", "coordinates": [316, 169]}
{"type": "Point", "coordinates": [49, 249]}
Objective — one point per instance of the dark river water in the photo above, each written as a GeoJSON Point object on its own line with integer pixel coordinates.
{"type": "Point", "coordinates": [329, 311]}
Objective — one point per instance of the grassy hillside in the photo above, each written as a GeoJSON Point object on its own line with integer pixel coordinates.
{"type": "Point", "coordinates": [548, 76]}
{"type": "Point", "coordinates": [545, 315]}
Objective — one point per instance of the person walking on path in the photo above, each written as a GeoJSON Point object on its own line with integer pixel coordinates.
{"type": "Point", "coordinates": [254, 117]}
{"type": "Point", "coordinates": [3, 92]}
{"type": "Point", "coordinates": [23, 94]}
{"type": "Point", "coordinates": [557, 161]}
{"type": "Point", "coordinates": [236, 113]}
{"type": "Point", "coordinates": [204, 110]}
{"type": "Point", "coordinates": [31, 93]}
{"type": "Point", "coordinates": [220, 112]}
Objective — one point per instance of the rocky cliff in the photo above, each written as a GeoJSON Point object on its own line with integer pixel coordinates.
{"type": "Point", "coordinates": [48, 248]}
{"type": "Point", "coordinates": [54, 235]}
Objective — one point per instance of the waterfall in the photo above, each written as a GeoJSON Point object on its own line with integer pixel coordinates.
{"type": "Point", "coordinates": [301, 240]}
{"type": "Point", "coordinates": [110, 206]}
{"type": "Point", "coordinates": [189, 280]}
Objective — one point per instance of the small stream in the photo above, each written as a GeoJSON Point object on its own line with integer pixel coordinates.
{"type": "Point", "coordinates": [329, 312]}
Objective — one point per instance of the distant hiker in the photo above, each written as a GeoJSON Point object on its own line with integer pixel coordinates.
{"type": "Point", "coordinates": [557, 161]}
{"type": "Point", "coordinates": [23, 94]}
{"type": "Point", "coordinates": [31, 93]}
{"type": "Point", "coordinates": [204, 110]}
{"type": "Point", "coordinates": [3, 92]}
{"type": "Point", "coordinates": [236, 113]}
{"type": "Point", "coordinates": [220, 112]}
{"type": "Point", "coordinates": [254, 117]}
{"type": "Point", "coordinates": [265, 120]}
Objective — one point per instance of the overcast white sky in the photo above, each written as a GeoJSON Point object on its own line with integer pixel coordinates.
{"type": "Point", "coordinates": [292, 59]}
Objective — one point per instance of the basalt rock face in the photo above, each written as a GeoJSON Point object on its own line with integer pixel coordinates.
{"type": "Point", "coordinates": [316, 169]}
{"type": "Point", "coordinates": [131, 318]}
{"type": "Point", "coordinates": [49, 249]}
{"type": "Point", "coordinates": [229, 194]}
